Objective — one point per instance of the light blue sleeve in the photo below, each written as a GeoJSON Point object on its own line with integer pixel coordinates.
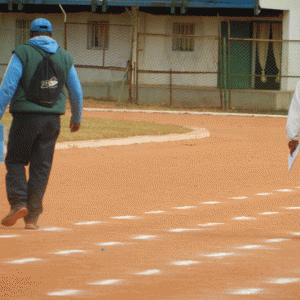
{"type": "Point", "coordinates": [75, 95]}
{"type": "Point", "coordinates": [10, 82]}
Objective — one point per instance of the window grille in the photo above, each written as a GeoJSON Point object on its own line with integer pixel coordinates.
{"type": "Point", "coordinates": [22, 31]}
{"type": "Point", "coordinates": [183, 43]}
{"type": "Point", "coordinates": [97, 35]}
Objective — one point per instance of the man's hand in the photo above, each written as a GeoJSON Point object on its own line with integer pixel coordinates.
{"type": "Point", "coordinates": [74, 126]}
{"type": "Point", "coordinates": [293, 145]}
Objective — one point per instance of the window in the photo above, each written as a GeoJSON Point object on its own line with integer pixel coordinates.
{"type": "Point", "coordinates": [183, 43]}
{"type": "Point", "coordinates": [97, 35]}
{"type": "Point", "coordinates": [22, 31]}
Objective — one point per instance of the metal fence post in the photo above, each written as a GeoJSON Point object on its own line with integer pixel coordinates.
{"type": "Point", "coordinates": [171, 97]}
{"type": "Point", "coordinates": [130, 81]}
{"type": "Point", "coordinates": [137, 69]}
{"type": "Point", "coordinates": [225, 72]}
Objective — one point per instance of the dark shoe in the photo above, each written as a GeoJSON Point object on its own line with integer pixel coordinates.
{"type": "Point", "coordinates": [31, 226]}
{"type": "Point", "coordinates": [14, 215]}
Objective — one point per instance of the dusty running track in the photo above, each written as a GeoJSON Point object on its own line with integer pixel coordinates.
{"type": "Point", "coordinates": [214, 218]}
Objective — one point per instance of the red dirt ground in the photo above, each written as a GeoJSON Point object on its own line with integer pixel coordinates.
{"type": "Point", "coordinates": [244, 156]}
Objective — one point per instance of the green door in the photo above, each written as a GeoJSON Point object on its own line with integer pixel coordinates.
{"type": "Point", "coordinates": [238, 55]}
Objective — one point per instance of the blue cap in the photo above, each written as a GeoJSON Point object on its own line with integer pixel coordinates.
{"type": "Point", "coordinates": [41, 25]}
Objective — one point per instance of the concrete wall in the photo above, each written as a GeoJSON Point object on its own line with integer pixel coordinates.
{"type": "Point", "coordinates": [260, 99]}
{"type": "Point", "coordinates": [279, 4]}
{"type": "Point", "coordinates": [156, 54]}
{"type": "Point", "coordinates": [290, 31]}
{"type": "Point", "coordinates": [156, 51]}
{"type": "Point", "coordinates": [117, 54]}
{"type": "Point", "coordinates": [290, 51]}
{"type": "Point", "coordinates": [8, 28]}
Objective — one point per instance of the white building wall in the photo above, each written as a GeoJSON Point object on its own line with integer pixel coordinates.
{"type": "Point", "coordinates": [291, 50]}
{"type": "Point", "coordinates": [8, 33]}
{"type": "Point", "coordinates": [117, 55]}
{"type": "Point", "coordinates": [156, 51]}
{"type": "Point", "coordinates": [290, 31]}
{"type": "Point", "coordinates": [278, 4]}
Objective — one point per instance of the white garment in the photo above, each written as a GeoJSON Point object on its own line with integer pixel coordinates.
{"type": "Point", "coordinates": [293, 119]}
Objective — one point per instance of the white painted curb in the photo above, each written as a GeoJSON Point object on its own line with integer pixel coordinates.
{"type": "Point", "coordinates": [182, 112]}
{"type": "Point", "coordinates": [197, 133]}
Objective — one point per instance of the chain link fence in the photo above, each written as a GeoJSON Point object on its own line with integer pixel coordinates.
{"type": "Point", "coordinates": [18, 34]}
{"type": "Point", "coordinates": [263, 70]}
{"type": "Point", "coordinates": [178, 70]}
{"type": "Point", "coordinates": [102, 58]}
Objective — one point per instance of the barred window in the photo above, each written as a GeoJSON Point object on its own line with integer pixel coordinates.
{"type": "Point", "coordinates": [97, 35]}
{"type": "Point", "coordinates": [22, 31]}
{"type": "Point", "coordinates": [183, 43]}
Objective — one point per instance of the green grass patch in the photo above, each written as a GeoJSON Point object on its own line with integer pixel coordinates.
{"type": "Point", "coordinates": [97, 129]}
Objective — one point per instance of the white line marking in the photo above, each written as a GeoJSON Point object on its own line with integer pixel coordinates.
{"type": "Point", "coordinates": [210, 224]}
{"type": "Point", "coordinates": [68, 252]}
{"type": "Point", "coordinates": [89, 223]}
{"type": "Point", "coordinates": [295, 207]}
{"type": "Point", "coordinates": [126, 217]}
{"type": "Point", "coordinates": [65, 293]}
{"type": "Point", "coordinates": [186, 112]}
{"type": "Point", "coordinates": [183, 229]}
{"type": "Point", "coordinates": [143, 237]}
{"type": "Point", "coordinates": [109, 244]}
{"type": "Point", "coordinates": [244, 218]}
{"type": "Point", "coordinates": [184, 207]}
{"type": "Point", "coordinates": [53, 229]}
{"type": "Point", "coordinates": [246, 291]}
{"type": "Point", "coordinates": [8, 236]}
{"type": "Point", "coordinates": [24, 260]}
{"type": "Point", "coordinates": [269, 213]}
{"type": "Point", "coordinates": [212, 202]}
{"type": "Point", "coordinates": [252, 247]}
{"type": "Point", "coordinates": [184, 262]}
{"type": "Point", "coordinates": [149, 272]}
{"type": "Point", "coordinates": [198, 133]}
{"type": "Point", "coordinates": [276, 240]}
{"type": "Point", "coordinates": [238, 198]}
{"type": "Point", "coordinates": [264, 194]}
{"type": "Point", "coordinates": [295, 233]}
{"type": "Point", "coordinates": [219, 255]}
{"type": "Point", "coordinates": [106, 282]}
{"type": "Point", "coordinates": [283, 280]}
{"type": "Point", "coordinates": [285, 191]}
{"type": "Point", "coordinates": [155, 212]}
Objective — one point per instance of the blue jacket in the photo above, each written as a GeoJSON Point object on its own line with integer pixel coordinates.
{"type": "Point", "coordinates": [14, 73]}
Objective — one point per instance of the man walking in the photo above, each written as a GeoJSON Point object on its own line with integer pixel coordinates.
{"type": "Point", "coordinates": [36, 104]}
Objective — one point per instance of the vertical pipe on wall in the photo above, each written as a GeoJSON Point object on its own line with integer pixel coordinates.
{"type": "Point", "coordinates": [65, 26]}
{"type": "Point", "coordinates": [137, 52]}
{"type": "Point", "coordinates": [131, 52]}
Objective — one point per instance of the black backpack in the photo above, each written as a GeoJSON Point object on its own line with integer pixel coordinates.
{"type": "Point", "coordinates": [47, 82]}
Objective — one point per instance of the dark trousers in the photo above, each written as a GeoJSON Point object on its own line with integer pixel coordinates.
{"type": "Point", "coordinates": [31, 141]}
